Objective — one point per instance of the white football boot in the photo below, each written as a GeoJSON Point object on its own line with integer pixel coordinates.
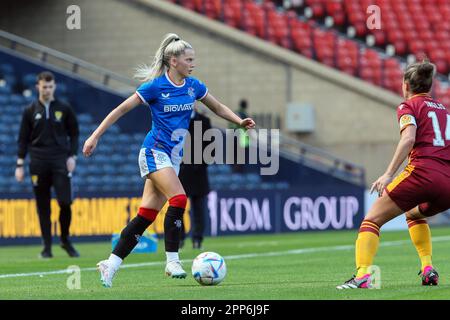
{"type": "Point", "coordinates": [107, 273]}
{"type": "Point", "coordinates": [174, 269]}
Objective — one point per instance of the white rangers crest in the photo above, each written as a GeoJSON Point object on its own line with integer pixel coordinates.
{"type": "Point", "coordinates": [161, 158]}
{"type": "Point", "coordinates": [191, 92]}
{"type": "Point", "coordinates": [38, 116]}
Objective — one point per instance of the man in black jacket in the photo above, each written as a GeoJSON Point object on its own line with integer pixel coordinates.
{"type": "Point", "coordinates": [194, 178]}
{"type": "Point", "coordinates": [49, 132]}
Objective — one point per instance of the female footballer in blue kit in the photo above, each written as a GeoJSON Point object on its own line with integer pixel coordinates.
{"type": "Point", "coordinates": [170, 93]}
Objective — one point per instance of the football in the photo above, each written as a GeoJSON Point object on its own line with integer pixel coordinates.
{"type": "Point", "coordinates": [209, 268]}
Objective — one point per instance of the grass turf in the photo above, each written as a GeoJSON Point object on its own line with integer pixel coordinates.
{"type": "Point", "coordinates": [269, 271]}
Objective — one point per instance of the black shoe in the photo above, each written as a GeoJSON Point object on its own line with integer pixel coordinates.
{"type": "Point", "coordinates": [197, 244]}
{"type": "Point", "coordinates": [46, 254]}
{"type": "Point", "coordinates": [181, 245]}
{"type": "Point", "coordinates": [430, 276]}
{"type": "Point", "coordinates": [67, 246]}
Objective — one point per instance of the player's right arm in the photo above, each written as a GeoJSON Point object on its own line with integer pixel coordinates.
{"type": "Point", "coordinates": [225, 112]}
{"type": "Point", "coordinates": [23, 141]}
{"type": "Point", "coordinates": [408, 131]}
{"type": "Point", "coordinates": [132, 102]}
{"type": "Point", "coordinates": [404, 147]}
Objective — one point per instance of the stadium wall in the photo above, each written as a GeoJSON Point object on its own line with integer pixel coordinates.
{"type": "Point", "coordinates": [354, 120]}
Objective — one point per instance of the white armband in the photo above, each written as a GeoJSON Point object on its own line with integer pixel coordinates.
{"type": "Point", "coordinates": [406, 120]}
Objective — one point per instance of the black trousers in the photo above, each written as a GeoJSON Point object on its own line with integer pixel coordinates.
{"type": "Point", "coordinates": [197, 213]}
{"type": "Point", "coordinates": [44, 175]}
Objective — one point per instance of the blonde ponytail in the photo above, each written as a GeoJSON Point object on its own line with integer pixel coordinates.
{"type": "Point", "coordinates": [172, 45]}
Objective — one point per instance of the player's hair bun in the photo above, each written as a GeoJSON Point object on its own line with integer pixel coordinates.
{"type": "Point", "coordinates": [420, 76]}
{"type": "Point", "coordinates": [425, 69]}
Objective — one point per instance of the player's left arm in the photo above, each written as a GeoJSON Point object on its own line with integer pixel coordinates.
{"type": "Point", "coordinates": [73, 133]}
{"type": "Point", "coordinates": [225, 113]}
{"type": "Point", "coordinates": [404, 147]}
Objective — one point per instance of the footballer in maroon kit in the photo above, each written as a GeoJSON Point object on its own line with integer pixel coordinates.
{"type": "Point", "coordinates": [425, 182]}
{"type": "Point", "coordinates": [422, 189]}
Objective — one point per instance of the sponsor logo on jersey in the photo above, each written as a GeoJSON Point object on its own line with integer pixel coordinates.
{"type": "Point", "coordinates": [165, 95]}
{"type": "Point", "coordinates": [179, 107]}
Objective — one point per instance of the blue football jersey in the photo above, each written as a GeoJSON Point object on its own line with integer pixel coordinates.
{"type": "Point", "coordinates": [171, 106]}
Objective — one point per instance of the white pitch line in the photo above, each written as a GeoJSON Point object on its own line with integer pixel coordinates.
{"type": "Point", "coordinates": [240, 256]}
{"type": "Point", "coordinates": [258, 244]}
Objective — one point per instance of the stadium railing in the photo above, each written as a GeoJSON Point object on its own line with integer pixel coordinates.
{"type": "Point", "coordinates": [321, 160]}
{"type": "Point", "coordinates": [68, 63]}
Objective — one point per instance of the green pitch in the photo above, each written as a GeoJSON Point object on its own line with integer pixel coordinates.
{"type": "Point", "coordinates": [286, 266]}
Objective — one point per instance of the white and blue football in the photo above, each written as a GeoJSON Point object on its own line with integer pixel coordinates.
{"type": "Point", "coordinates": [209, 268]}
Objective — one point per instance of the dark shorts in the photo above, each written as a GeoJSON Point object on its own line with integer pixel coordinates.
{"type": "Point", "coordinates": [417, 186]}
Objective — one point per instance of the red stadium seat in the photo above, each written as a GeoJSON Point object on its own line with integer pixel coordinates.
{"type": "Point", "coordinates": [257, 13]}
{"type": "Point", "coordinates": [360, 28]}
{"type": "Point", "coordinates": [417, 47]}
{"type": "Point", "coordinates": [391, 64]}
{"type": "Point", "coordinates": [380, 37]}
{"type": "Point", "coordinates": [199, 5]}
{"type": "Point", "coordinates": [411, 36]}
{"type": "Point", "coordinates": [400, 47]}
{"type": "Point", "coordinates": [189, 4]}
{"type": "Point", "coordinates": [441, 66]}
{"type": "Point", "coordinates": [213, 8]}
{"type": "Point", "coordinates": [324, 45]}
{"type": "Point", "coordinates": [231, 16]}
{"type": "Point", "coordinates": [278, 25]}
{"type": "Point", "coordinates": [318, 10]}
{"type": "Point", "coordinates": [339, 18]}
{"type": "Point", "coordinates": [333, 7]}
{"type": "Point", "coordinates": [395, 35]}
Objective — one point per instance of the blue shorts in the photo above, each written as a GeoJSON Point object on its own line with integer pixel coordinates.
{"type": "Point", "coordinates": [151, 160]}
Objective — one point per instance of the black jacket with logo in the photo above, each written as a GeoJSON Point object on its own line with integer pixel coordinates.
{"type": "Point", "coordinates": [48, 139]}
